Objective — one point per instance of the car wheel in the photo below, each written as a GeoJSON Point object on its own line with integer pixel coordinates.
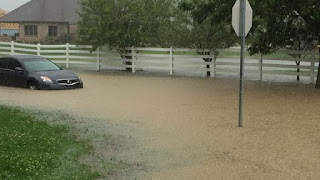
{"type": "Point", "coordinates": [32, 86]}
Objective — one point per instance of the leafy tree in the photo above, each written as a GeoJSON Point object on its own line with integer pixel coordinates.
{"type": "Point", "coordinates": [125, 23]}
{"type": "Point", "coordinates": [203, 24]}
{"type": "Point", "coordinates": [293, 24]}
{"type": "Point", "coordinates": [209, 26]}
{"type": "Point", "coordinates": [62, 39]}
{"type": "Point", "coordinates": [118, 24]}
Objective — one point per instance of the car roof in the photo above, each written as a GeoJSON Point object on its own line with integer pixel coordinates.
{"type": "Point", "coordinates": [24, 57]}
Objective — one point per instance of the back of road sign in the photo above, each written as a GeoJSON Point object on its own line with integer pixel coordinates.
{"type": "Point", "coordinates": [236, 18]}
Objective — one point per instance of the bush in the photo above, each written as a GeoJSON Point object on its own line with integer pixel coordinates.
{"type": "Point", "coordinates": [62, 39]}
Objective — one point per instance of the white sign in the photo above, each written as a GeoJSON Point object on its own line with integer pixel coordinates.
{"type": "Point", "coordinates": [236, 18]}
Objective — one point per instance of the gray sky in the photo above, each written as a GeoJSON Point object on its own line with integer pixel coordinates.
{"type": "Point", "coordinates": [10, 5]}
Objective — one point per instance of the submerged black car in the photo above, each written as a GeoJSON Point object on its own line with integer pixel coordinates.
{"type": "Point", "coordinates": [35, 72]}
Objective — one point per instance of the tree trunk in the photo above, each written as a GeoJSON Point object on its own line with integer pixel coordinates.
{"type": "Point", "coordinates": [207, 65]}
{"type": "Point", "coordinates": [298, 70]}
{"type": "Point", "coordinates": [318, 77]}
{"type": "Point", "coordinates": [208, 70]}
{"type": "Point", "coordinates": [127, 62]}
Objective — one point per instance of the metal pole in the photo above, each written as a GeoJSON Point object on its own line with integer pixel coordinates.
{"type": "Point", "coordinates": [243, 39]}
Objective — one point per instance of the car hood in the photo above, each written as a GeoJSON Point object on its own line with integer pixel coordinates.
{"type": "Point", "coordinates": [54, 75]}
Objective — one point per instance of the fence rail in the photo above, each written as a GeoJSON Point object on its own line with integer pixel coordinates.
{"type": "Point", "coordinates": [174, 60]}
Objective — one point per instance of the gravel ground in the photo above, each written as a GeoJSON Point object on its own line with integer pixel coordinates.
{"type": "Point", "coordinates": [186, 128]}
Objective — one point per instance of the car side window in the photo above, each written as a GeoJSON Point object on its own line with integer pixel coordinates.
{"type": "Point", "coordinates": [17, 64]}
{"type": "Point", "coordinates": [4, 63]}
{"type": "Point", "coordinates": [1, 63]}
{"type": "Point", "coordinates": [11, 64]}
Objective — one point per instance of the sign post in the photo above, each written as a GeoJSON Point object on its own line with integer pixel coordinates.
{"type": "Point", "coordinates": [242, 23]}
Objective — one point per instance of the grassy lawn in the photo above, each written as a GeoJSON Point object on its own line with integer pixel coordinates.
{"type": "Point", "coordinates": [32, 149]}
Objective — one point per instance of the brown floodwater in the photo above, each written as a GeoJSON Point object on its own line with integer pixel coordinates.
{"type": "Point", "coordinates": [187, 127]}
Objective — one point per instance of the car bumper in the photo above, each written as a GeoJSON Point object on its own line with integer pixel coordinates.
{"type": "Point", "coordinates": [53, 86]}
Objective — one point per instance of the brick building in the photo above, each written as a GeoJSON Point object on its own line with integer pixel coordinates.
{"type": "Point", "coordinates": [39, 19]}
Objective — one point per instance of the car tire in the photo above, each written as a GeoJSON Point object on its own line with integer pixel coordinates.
{"type": "Point", "coordinates": [32, 86]}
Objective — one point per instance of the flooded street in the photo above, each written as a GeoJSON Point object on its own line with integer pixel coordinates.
{"type": "Point", "coordinates": [188, 126]}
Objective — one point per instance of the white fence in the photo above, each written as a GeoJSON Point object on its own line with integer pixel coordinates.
{"type": "Point", "coordinates": [175, 61]}
{"type": "Point", "coordinates": [61, 54]}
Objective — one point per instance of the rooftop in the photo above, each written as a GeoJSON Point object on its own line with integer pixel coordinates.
{"type": "Point", "coordinates": [7, 25]}
{"type": "Point", "coordinates": [59, 11]}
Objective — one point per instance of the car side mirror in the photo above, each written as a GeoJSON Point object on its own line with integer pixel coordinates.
{"type": "Point", "coordinates": [19, 69]}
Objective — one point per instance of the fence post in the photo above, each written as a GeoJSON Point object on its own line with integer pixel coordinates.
{"type": "Point", "coordinates": [133, 59]}
{"type": "Point", "coordinates": [212, 71]}
{"type": "Point", "coordinates": [12, 47]}
{"type": "Point", "coordinates": [313, 59]}
{"type": "Point", "coordinates": [171, 61]}
{"type": "Point", "coordinates": [38, 49]}
{"type": "Point", "coordinates": [67, 55]}
{"type": "Point", "coordinates": [98, 59]}
{"type": "Point", "coordinates": [214, 66]}
{"type": "Point", "coordinates": [260, 67]}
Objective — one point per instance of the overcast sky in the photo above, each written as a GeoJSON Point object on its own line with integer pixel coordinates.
{"type": "Point", "coordinates": [10, 5]}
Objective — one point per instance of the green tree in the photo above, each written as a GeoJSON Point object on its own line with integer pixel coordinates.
{"type": "Point", "coordinates": [293, 24]}
{"type": "Point", "coordinates": [124, 23]}
{"type": "Point", "coordinates": [118, 24]}
{"type": "Point", "coordinates": [209, 26]}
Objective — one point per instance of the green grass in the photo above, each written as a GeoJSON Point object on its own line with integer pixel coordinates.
{"type": "Point", "coordinates": [32, 149]}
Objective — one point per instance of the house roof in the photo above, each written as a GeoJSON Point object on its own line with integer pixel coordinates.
{"type": "Point", "coordinates": [60, 11]}
{"type": "Point", "coordinates": [7, 25]}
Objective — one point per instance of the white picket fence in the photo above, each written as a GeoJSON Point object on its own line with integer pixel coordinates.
{"type": "Point", "coordinates": [174, 61]}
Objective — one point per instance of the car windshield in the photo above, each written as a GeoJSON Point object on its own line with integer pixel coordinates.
{"type": "Point", "coordinates": [35, 65]}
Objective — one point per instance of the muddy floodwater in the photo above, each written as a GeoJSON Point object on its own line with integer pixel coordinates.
{"type": "Point", "coordinates": [186, 128]}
